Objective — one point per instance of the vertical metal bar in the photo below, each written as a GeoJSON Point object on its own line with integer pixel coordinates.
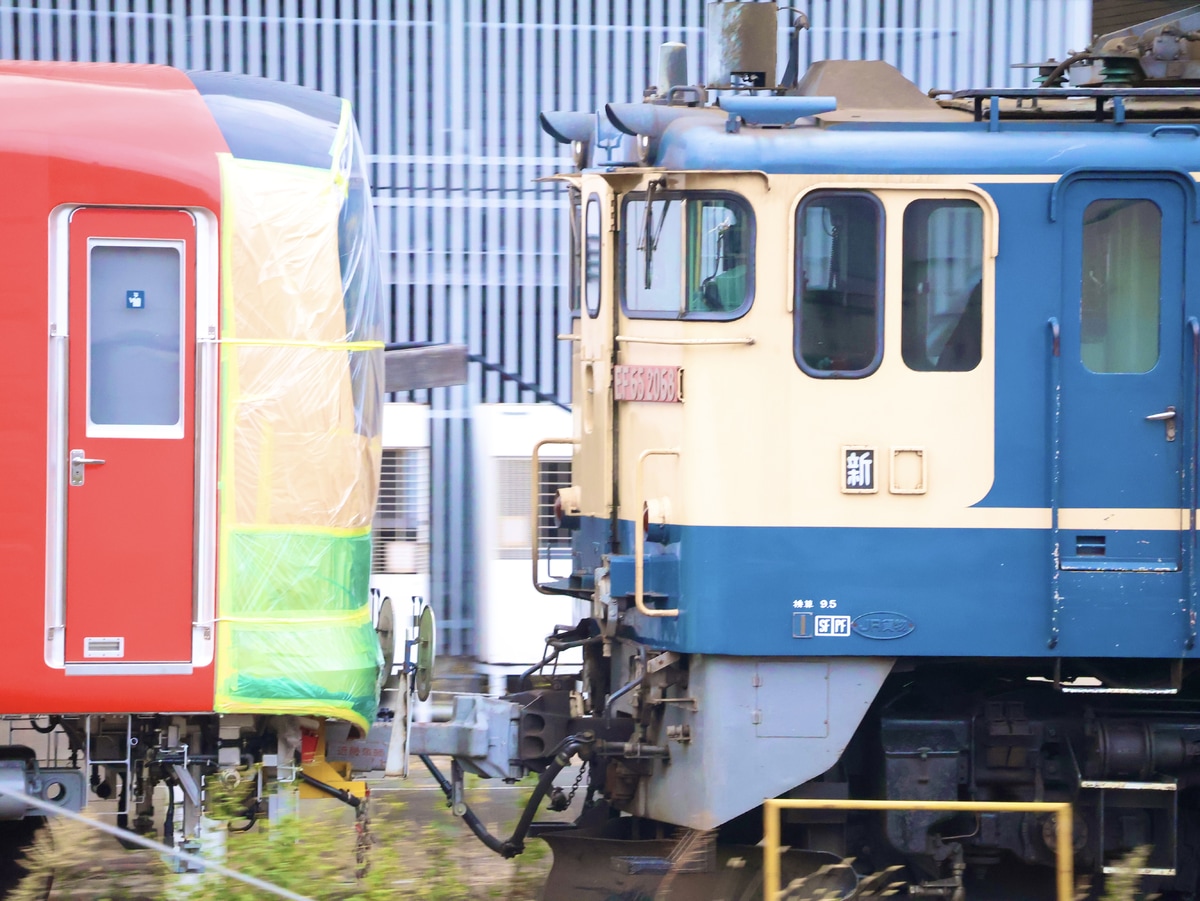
{"type": "Point", "coordinates": [254, 37]}
{"type": "Point", "coordinates": [291, 41]}
{"type": "Point", "coordinates": [495, 250]}
{"type": "Point", "coordinates": [506, 322]}
{"type": "Point", "coordinates": [25, 47]}
{"type": "Point", "coordinates": [236, 47]}
{"type": "Point", "coordinates": [1064, 852]}
{"type": "Point", "coordinates": [65, 22]}
{"type": "Point", "coordinates": [926, 37]}
{"type": "Point", "coordinates": [890, 25]}
{"type": "Point", "coordinates": [8, 30]}
{"type": "Point", "coordinates": [770, 850]}
{"type": "Point", "coordinates": [363, 96]}
{"type": "Point", "coordinates": [457, 217]}
{"type": "Point", "coordinates": [1194, 436]}
{"type": "Point", "coordinates": [1055, 375]}
{"type": "Point", "coordinates": [216, 38]}
{"type": "Point", "coordinates": [273, 57]}
{"type": "Point", "coordinates": [478, 169]}
{"type": "Point", "coordinates": [45, 32]}
{"type": "Point", "coordinates": [381, 171]}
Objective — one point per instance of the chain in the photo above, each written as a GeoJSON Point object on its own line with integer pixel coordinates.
{"type": "Point", "coordinates": [364, 840]}
{"type": "Point", "coordinates": [578, 779]}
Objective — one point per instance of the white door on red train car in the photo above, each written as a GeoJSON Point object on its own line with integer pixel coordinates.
{"type": "Point", "coordinates": [131, 450]}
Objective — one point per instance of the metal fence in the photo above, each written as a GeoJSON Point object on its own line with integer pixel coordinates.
{"type": "Point", "coordinates": [447, 94]}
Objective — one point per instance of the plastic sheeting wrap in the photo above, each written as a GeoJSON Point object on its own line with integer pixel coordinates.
{"type": "Point", "coordinates": [302, 373]}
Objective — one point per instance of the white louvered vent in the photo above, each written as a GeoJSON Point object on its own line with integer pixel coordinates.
{"type": "Point", "coordinates": [400, 540]}
{"type": "Point", "coordinates": [512, 507]}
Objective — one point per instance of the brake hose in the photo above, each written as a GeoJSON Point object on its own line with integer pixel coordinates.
{"type": "Point", "coordinates": [515, 844]}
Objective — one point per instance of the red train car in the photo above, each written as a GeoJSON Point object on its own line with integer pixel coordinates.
{"type": "Point", "coordinates": [189, 439]}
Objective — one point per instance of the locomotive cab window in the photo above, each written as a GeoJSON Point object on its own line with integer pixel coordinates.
{"type": "Point", "coordinates": [839, 279]}
{"type": "Point", "coordinates": [687, 255]}
{"type": "Point", "coordinates": [942, 318]}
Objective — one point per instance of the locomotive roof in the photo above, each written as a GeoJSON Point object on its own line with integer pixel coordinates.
{"type": "Point", "coordinates": [863, 142]}
{"type": "Point", "coordinates": [877, 122]}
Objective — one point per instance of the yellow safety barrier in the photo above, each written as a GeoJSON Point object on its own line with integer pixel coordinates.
{"type": "Point", "coordinates": [1061, 811]}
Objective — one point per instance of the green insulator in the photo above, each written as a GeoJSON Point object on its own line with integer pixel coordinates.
{"type": "Point", "coordinates": [1118, 71]}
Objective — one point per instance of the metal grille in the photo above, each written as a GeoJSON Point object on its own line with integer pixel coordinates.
{"type": "Point", "coordinates": [552, 540]}
{"type": "Point", "coordinates": [447, 94]}
{"type": "Point", "coordinates": [512, 508]}
{"type": "Point", "coordinates": [400, 537]}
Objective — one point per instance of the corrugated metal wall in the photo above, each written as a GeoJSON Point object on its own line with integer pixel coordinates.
{"type": "Point", "coordinates": [447, 94]}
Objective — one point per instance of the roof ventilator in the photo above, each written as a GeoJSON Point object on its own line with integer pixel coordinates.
{"type": "Point", "coordinates": [773, 111]}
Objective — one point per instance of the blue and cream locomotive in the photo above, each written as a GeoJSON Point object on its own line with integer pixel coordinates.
{"type": "Point", "coordinates": [885, 465]}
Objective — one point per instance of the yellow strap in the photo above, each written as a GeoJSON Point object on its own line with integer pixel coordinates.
{"type": "Point", "coordinates": [300, 529]}
{"type": "Point", "coordinates": [321, 345]}
{"type": "Point", "coordinates": [354, 618]}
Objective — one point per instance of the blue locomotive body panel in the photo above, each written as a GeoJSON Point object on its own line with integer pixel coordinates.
{"type": "Point", "coordinates": [962, 592]}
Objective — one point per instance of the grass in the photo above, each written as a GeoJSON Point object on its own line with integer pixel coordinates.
{"type": "Point", "coordinates": [313, 856]}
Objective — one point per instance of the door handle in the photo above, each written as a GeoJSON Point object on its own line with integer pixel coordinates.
{"type": "Point", "coordinates": [1167, 416]}
{"type": "Point", "coordinates": [78, 461]}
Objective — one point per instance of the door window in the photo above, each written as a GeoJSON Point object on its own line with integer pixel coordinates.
{"type": "Point", "coordinates": [1119, 315]}
{"type": "Point", "coordinates": [135, 339]}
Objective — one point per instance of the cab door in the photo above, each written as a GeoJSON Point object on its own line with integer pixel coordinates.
{"type": "Point", "coordinates": [130, 430]}
{"type": "Point", "coordinates": [592, 467]}
{"type": "Point", "coordinates": [1122, 444]}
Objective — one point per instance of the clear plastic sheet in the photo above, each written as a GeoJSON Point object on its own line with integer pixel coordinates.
{"type": "Point", "coordinates": [302, 372]}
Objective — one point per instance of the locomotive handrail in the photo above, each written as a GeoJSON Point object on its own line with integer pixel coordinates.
{"type": "Point", "coordinates": [535, 498]}
{"type": "Point", "coordinates": [1189, 624]}
{"type": "Point", "coordinates": [638, 339]}
{"type": "Point", "coordinates": [639, 534]}
{"type": "Point", "coordinates": [1055, 413]}
{"type": "Point", "coordinates": [1060, 810]}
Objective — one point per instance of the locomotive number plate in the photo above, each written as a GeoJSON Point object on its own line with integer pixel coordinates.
{"type": "Point", "coordinates": [657, 384]}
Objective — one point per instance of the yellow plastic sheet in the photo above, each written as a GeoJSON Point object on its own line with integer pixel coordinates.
{"type": "Point", "coordinates": [301, 366]}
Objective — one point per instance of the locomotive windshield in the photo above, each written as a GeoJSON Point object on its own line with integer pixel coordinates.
{"type": "Point", "coordinates": [687, 256]}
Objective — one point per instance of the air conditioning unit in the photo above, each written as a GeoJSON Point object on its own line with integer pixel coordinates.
{"type": "Point", "coordinates": [513, 618]}
{"type": "Point", "coordinates": [400, 532]}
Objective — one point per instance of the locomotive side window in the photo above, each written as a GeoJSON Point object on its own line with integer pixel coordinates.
{"type": "Point", "coordinates": [1119, 319]}
{"type": "Point", "coordinates": [687, 256]}
{"type": "Point", "coordinates": [575, 264]}
{"type": "Point", "coordinates": [942, 327]}
{"type": "Point", "coordinates": [591, 256]}
{"type": "Point", "coordinates": [135, 338]}
{"type": "Point", "coordinates": [839, 321]}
